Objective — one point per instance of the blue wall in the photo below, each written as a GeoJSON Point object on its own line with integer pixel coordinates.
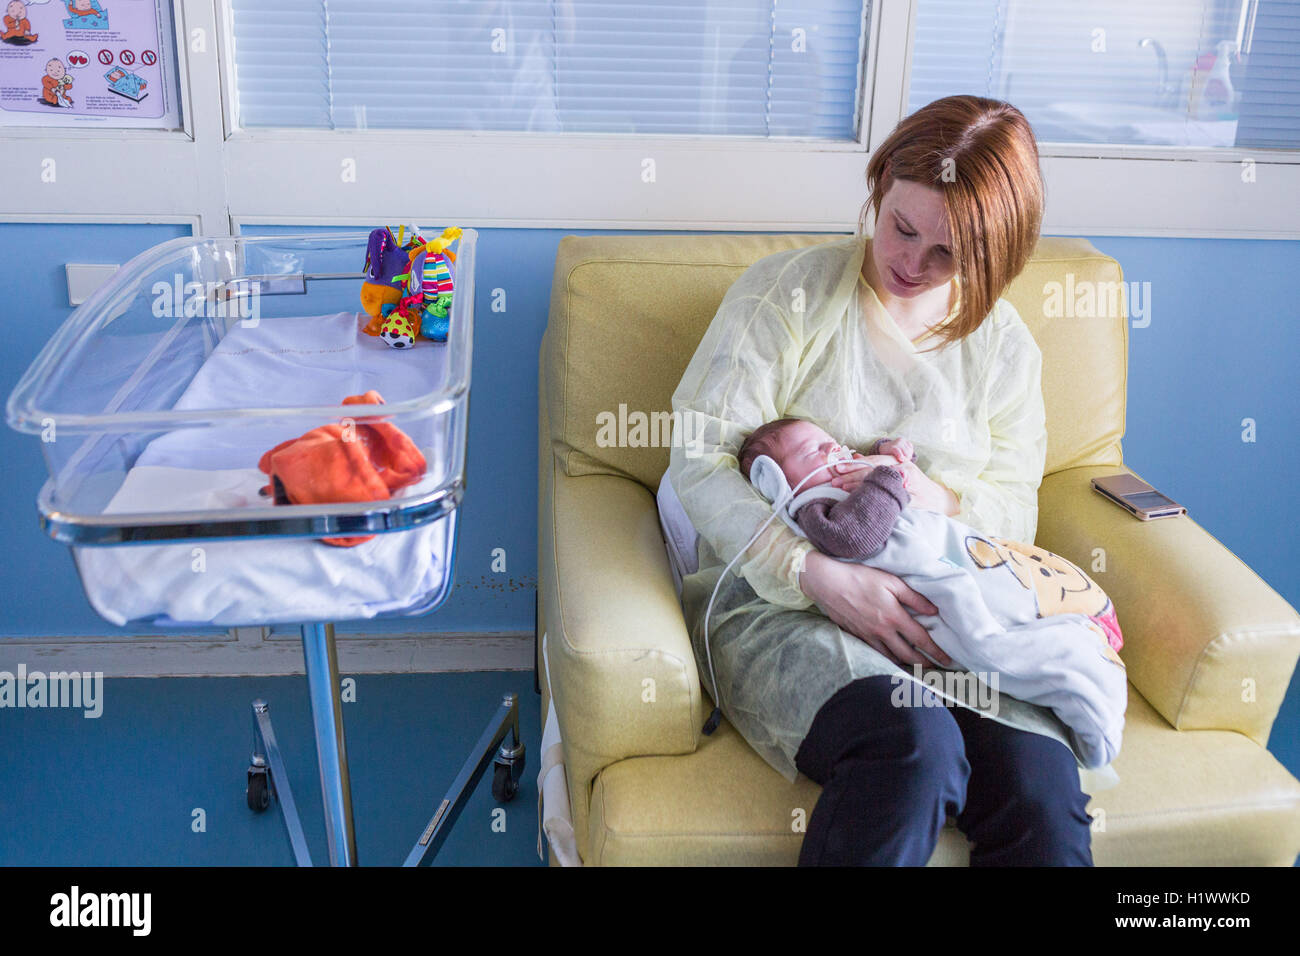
{"type": "Point", "coordinates": [43, 594]}
{"type": "Point", "coordinates": [1220, 348]}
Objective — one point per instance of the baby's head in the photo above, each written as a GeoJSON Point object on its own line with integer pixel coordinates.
{"type": "Point", "coordinates": [55, 69]}
{"type": "Point", "coordinates": [82, 4]}
{"type": "Point", "coordinates": [17, 9]}
{"type": "Point", "coordinates": [799, 447]}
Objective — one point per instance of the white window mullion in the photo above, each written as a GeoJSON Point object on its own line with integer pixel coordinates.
{"type": "Point", "coordinates": [198, 45]}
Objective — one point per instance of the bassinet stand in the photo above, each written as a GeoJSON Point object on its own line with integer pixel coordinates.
{"type": "Point", "coordinates": [267, 775]}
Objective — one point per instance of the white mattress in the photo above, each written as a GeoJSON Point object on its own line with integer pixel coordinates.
{"type": "Point", "coordinates": [297, 361]}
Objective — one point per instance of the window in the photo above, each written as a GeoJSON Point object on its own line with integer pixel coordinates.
{"type": "Point", "coordinates": [1191, 73]}
{"type": "Point", "coordinates": [600, 115]}
{"type": "Point", "coordinates": [705, 67]}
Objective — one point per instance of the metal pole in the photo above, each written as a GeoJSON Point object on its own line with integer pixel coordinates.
{"type": "Point", "coordinates": [331, 750]}
{"type": "Point", "coordinates": [485, 753]}
{"type": "Point", "coordinates": [266, 752]}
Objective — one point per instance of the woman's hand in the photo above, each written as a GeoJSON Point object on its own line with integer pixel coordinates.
{"type": "Point", "coordinates": [848, 475]}
{"type": "Point", "coordinates": [927, 494]}
{"type": "Point", "coordinates": [872, 605]}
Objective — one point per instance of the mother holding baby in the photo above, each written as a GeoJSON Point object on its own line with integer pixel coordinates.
{"type": "Point", "coordinates": [900, 335]}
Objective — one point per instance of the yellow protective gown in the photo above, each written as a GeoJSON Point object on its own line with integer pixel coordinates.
{"type": "Point", "coordinates": [800, 334]}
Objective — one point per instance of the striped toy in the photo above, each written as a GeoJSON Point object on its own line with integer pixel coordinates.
{"type": "Point", "coordinates": [421, 297]}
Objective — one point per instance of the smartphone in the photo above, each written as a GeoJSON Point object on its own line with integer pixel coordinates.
{"type": "Point", "coordinates": [1137, 497]}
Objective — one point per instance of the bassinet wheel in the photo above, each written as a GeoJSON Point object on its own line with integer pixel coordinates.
{"type": "Point", "coordinates": [504, 786]}
{"type": "Point", "coordinates": [259, 796]}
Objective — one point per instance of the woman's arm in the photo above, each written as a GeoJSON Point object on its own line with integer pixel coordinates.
{"type": "Point", "coordinates": [1003, 499]}
{"type": "Point", "coordinates": [737, 380]}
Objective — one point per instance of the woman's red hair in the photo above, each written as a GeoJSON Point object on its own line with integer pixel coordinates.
{"type": "Point", "coordinates": [982, 155]}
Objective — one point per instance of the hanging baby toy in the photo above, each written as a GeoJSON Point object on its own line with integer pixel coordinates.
{"type": "Point", "coordinates": [408, 287]}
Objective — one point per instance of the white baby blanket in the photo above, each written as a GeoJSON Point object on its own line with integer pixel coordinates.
{"type": "Point", "coordinates": [316, 360]}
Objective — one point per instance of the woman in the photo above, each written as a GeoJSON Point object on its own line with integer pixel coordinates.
{"type": "Point", "coordinates": [902, 335]}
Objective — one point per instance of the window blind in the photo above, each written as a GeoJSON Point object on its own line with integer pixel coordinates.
{"type": "Point", "coordinates": [716, 67]}
{"type": "Point", "coordinates": [1206, 73]}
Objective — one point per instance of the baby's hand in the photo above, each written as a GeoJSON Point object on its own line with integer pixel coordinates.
{"type": "Point", "coordinates": [900, 448]}
{"type": "Point", "coordinates": [854, 475]}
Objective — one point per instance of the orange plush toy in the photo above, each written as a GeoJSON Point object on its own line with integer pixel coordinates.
{"type": "Point", "coordinates": [334, 464]}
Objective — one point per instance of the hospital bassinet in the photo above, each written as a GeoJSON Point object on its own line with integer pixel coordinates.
{"type": "Point", "coordinates": [155, 401]}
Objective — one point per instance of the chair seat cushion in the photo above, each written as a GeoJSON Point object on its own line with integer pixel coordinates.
{"type": "Point", "coordinates": [1205, 797]}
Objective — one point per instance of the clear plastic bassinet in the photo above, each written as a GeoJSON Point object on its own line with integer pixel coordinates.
{"type": "Point", "coordinates": [158, 396]}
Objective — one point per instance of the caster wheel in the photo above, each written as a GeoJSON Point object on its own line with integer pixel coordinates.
{"type": "Point", "coordinates": [259, 797]}
{"type": "Point", "coordinates": [504, 786]}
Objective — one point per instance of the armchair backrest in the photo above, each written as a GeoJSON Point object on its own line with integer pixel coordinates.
{"type": "Point", "coordinates": [627, 313]}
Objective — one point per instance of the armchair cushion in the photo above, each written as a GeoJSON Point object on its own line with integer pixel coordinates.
{"type": "Point", "coordinates": [620, 658]}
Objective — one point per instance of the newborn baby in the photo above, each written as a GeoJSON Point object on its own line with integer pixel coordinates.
{"type": "Point", "coordinates": [1039, 622]}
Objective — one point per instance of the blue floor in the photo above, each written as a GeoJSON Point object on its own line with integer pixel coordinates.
{"type": "Point", "coordinates": [123, 789]}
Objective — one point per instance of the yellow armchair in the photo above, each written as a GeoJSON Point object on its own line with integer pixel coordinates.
{"type": "Point", "coordinates": [1210, 648]}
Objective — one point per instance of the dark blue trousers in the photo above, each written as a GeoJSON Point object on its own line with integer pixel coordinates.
{"type": "Point", "coordinates": [891, 776]}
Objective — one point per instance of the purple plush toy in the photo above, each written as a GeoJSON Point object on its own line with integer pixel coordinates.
{"type": "Point", "coordinates": [385, 259]}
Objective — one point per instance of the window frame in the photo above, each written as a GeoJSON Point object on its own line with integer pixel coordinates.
{"type": "Point", "coordinates": [219, 177]}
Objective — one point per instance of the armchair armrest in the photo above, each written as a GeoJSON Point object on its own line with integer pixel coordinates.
{"type": "Point", "coordinates": [623, 678]}
{"type": "Point", "coordinates": [1206, 641]}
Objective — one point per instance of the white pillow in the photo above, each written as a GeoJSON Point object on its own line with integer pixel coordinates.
{"type": "Point", "coordinates": [680, 539]}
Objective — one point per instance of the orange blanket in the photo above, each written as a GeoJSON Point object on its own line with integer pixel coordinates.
{"type": "Point", "coordinates": [337, 463]}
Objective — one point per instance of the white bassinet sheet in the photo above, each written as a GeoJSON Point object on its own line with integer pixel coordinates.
{"type": "Point", "coordinates": [315, 360]}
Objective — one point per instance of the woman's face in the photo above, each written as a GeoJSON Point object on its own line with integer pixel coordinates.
{"type": "Point", "coordinates": [911, 248]}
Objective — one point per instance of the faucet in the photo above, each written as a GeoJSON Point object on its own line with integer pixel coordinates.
{"type": "Point", "coordinates": [1164, 92]}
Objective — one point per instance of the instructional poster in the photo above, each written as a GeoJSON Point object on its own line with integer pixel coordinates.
{"type": "Point", "coordinates": [87, 62]}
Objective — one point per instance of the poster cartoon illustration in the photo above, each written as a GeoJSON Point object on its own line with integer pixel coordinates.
{"type": "Point", "coordinates": [56, 83]}
{"type": "Point", "coordinates": [79, 62]}
{"type": "Point", "coordinates": [126, 84]}
{"type": "Point", "coordinates": [18, 28]}
{"type": "Point", "coordinates": [86, 15]}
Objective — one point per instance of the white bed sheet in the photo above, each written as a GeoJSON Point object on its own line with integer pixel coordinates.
{"type": "Point", "coordinates": [296, 361]}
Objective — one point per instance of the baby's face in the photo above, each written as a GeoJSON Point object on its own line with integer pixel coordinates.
{"type": "Point", "coordinates": [55, 69]}
{"type": "Point", "coordinates": [17, 10]}
{"type": "Point", "coordinates": [83, 4]}
{"type": "Point", "coordinates": [801, 449]}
